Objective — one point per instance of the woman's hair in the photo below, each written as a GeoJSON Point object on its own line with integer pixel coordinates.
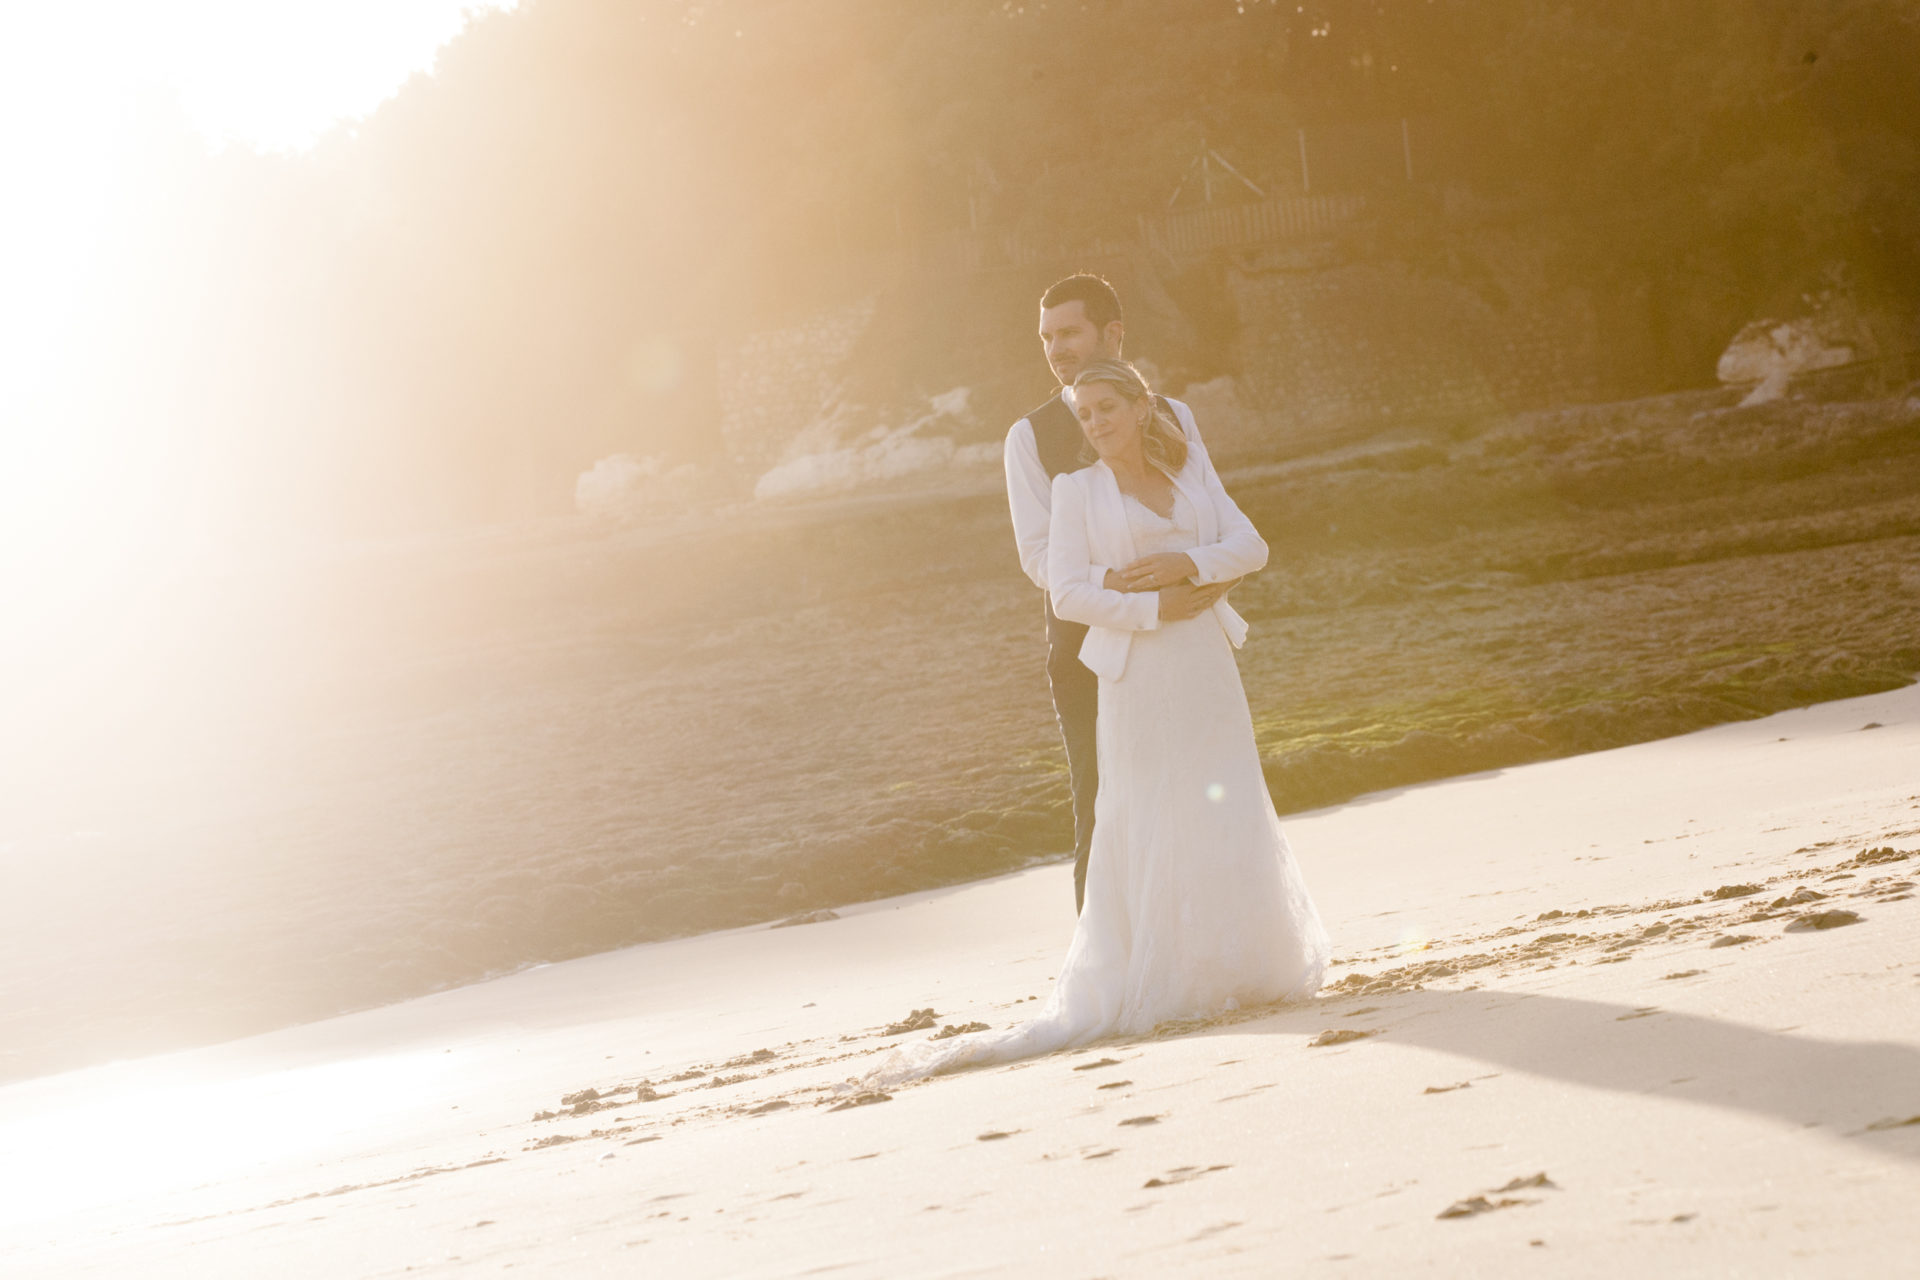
{"type": "Point", "coordinates": [1162, 439]}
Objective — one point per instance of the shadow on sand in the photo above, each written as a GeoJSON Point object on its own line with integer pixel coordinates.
{"type": "Point", "coordinates": [1864, 1091]}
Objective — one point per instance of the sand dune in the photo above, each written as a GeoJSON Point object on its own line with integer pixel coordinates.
{"type": "Point", "coordinates": [1655, 1008]}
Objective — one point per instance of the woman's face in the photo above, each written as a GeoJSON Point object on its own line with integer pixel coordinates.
{"type": "Point", "coordinates": [1111, 422]}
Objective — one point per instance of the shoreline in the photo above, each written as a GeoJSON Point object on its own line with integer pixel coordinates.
{"type": "Point", "coordinates": [842, 909]}
{"type": "Point", "coordinates": [1542, 992]}
{"type": "Point", "coordinates": [559, 750]}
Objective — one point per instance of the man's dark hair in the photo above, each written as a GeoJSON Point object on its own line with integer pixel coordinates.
{"type": "Point", "coordinates": [1090, 291]}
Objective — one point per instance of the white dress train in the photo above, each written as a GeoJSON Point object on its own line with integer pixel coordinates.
{"type": "Point", "coordinates": [1194, 906]}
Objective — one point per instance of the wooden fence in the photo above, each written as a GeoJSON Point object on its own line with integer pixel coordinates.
{"type": "Point", "coordinates": [1243, 226]}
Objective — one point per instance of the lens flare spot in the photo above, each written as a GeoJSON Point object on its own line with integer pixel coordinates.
{"type": "Point", "coordinates": [1216, 792]}
{"type": "Point", "coordinates": [1415, 939]}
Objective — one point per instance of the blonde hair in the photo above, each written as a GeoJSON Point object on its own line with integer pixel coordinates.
{"type": "Point", "coordinates": [1161, 438]}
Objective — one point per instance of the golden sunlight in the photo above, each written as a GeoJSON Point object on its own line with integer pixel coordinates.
{"type": "Point", "coordinates": [562, 632]}
{"type": "Point", "coordinates": [96, 102]}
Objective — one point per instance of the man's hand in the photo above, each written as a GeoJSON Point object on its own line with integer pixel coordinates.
{"type": "Point", "coordinates": [1150, 573]}
{"type": "Point", "coordinates": [1183, 600]}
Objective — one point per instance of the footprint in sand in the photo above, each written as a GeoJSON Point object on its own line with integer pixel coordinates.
{"type": "Point", "coordinates": [994, 1135]}
{"type": "Point", "coordinates": [1475, 1205]}
{"type": "Point", "coordinates": [1730, 940]}
{"type": "Point", "coordinates": [1885, 853]}
{"type": "Point", "coordinates": [751, 1059]}
{"type": "Point", "coordinates": [1644, 1011]}
{"type": "Point", "coordinates": [1684, 973]}
{"type": "Point", "coordinates": [1185, 1173]}
{"type": "Point", "coordinates": [554, 1140]}
{"type": "Point", "coordinates": [965, 1029]}
{"type": "Point", "coordinates": [1140, 1120]}
{"type": "Point", "coordinates": [863, 1099]}
{"type": "Point", "coordinates": [1093, 1066]}
{"type": "Point", "coordinates": [1538, 1181]}
{"type": "Point", "coordinates": [1208, 1232]}
{"type": "Point", "coordinates": [1115, 1084]}
{"type": "Point", "coordinates": [1823, 920]}
{"type": "Point", "coordinates": [918, 1020]}
{"type": "Point", "coordinates": [1342, 1036]}
{"type": "Point", "coordinates": [1478, 1204]}
{"type": "Point", "coordinates": [1447, 1088]}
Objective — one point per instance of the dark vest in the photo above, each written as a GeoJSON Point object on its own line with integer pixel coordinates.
{"type": "Point", "coordinates": [1056, 434]}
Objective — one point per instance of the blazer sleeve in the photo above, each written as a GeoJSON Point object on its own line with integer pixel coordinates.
{"type": "Point", "coordinates": [1027, 501]}
{"type": "Point", "coordinates": [1075, 596]}
{"type": "Point", "coordinates": [1240, 550]}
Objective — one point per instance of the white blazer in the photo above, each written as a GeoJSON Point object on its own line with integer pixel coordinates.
{"type": "Point", "coordinates": [1089, 528]}
{"type": "Point", "coordinates": [1030, 489]}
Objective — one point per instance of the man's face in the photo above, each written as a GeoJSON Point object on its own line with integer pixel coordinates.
{"type": "Point", "coordinates": [1071, 342]}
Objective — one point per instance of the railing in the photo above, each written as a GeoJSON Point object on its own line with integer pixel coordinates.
{"type": "Point", "coordinates": [1239, 226]}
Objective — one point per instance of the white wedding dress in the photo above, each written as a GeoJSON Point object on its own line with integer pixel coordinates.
{"type": "Point", "coordinates": [1194, 906]}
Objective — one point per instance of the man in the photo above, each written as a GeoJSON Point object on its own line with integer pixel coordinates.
{"type": "Point", "coordinates": [1080, 322]}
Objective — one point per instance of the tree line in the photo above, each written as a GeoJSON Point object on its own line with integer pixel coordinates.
{"type": "Point", "coordinates": [526, 259]}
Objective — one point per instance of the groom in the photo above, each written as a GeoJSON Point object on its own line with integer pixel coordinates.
{"type": "Point", "coordinates": [1080, 322]}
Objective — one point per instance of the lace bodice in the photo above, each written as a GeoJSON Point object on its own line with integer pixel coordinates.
{"type": "Point", "coordinates": [1154, 533]}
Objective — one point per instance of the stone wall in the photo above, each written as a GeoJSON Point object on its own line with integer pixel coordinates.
{"type": "Point", "coordinates": [1330, 346]}
{"type": "Point", "coordinates": [1282, 346]}
{"type": "Point", "coordinates": [775, 384]}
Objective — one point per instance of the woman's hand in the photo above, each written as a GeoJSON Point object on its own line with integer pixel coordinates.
{"type": "Point", "coordinates": [1183, 600]}
{"type": "Point", "coordinates": [1150, 573]}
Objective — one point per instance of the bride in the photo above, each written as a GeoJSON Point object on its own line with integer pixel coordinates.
{"type": "Point", "coordinates": [1194, 906]}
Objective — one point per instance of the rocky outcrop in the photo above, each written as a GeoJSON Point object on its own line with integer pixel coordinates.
{"type": "Point", "coordinates": [1769, 354]}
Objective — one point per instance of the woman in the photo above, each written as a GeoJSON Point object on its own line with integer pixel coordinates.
{"type": "Point", "coordinates": [1194, 905]}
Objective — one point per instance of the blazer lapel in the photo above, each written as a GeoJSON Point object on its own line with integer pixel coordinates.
{"type": "Point", "coordinates": [1111, 516]}
{"type": "Point", "coordinates": [1188, 483]}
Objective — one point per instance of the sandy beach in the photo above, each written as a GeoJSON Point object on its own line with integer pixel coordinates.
{"type": "Point", "coordinates": [1653, 1008]}
{"type": "Point", "coordinates": [519, 688]}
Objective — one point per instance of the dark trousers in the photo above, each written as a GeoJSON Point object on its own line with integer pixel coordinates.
{"type": "Point", "coordinates": [1076, 701]}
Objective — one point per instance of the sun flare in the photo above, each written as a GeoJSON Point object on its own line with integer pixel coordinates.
{"type": "Point", "coordinates": [92, 98]}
